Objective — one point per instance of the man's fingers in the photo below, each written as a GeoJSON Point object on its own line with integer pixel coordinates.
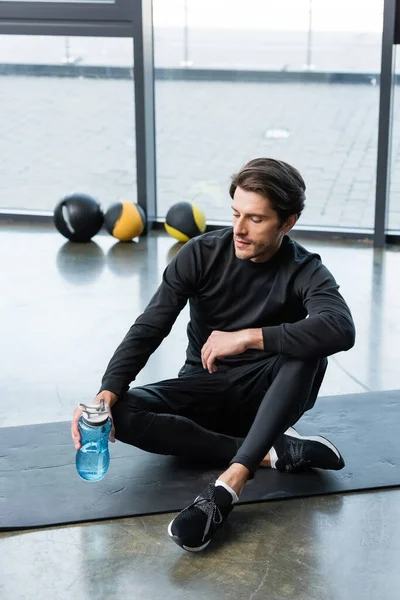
{"type": "Point", "coordinates": [74, 425]}
{"type": "Point", "coordinates": [205, 351]}
{"type": "Point", "coordinates": [211, 363]}
{"type": "Point", "coordinates": [208, 357]}
{"type": "Point", "coordinates": [76, 438]}
{"type": "Point", "coordinates": [111, 437]}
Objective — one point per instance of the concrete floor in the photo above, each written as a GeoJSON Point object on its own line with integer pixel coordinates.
{"type": "Point", "coordinates": [65, 308]}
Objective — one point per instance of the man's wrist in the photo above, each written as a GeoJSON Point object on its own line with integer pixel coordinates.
{"type": "Point", "coordinates": [109, 397]}
{"type": "Point", "coordinates": [255, 339]}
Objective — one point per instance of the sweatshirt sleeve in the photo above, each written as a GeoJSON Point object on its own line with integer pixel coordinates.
{"type": "Point", "coordinates": [329, 326]}
{"type": "Point", "coordinates": [155, 323]}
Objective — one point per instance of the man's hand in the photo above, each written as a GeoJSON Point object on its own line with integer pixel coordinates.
{"type": "Point", "coordinates": [229, 343]}
{"type": "Point", "coordinates": [109, 399]}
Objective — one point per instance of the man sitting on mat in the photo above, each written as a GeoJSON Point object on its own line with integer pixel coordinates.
{"type": "Point", "coordinates": [264, 315]}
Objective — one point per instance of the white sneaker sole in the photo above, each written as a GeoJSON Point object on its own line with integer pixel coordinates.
{"type": "Point", "coordinates": [178, 541]}
{"type": "Point", "coordinates": [314, 438]}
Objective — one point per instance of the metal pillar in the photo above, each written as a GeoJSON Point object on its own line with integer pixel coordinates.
{"type": "Point", "coordinates": [385, 123]}
{"type": "Point", "coordinates": [145, 107]}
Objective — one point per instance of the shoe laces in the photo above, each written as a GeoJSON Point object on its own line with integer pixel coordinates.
{"type": "Point", "coordinates": [207, 504]}
{"type": "Point", "coordinates": [295, 454]}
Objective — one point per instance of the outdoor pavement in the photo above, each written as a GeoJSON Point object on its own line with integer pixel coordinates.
{"type": "Point", "coordinates": [75, 134]}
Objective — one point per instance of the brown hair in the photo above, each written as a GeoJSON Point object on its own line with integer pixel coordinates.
{"type": "Point", "coordinates": [277, 181]}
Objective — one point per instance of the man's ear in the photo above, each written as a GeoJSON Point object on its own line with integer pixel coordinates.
{"type": "Point", "coordinates": [290, 223]}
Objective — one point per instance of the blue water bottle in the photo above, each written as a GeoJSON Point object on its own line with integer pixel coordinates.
{"type": "Point", "coordinates": [93, 458]}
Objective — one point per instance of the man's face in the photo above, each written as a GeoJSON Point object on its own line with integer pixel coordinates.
{"type": "Point", "coordinates": [257, 231]}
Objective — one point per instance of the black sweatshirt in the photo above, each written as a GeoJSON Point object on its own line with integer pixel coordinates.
{"type": "Point", "coordinates": [292, 297]}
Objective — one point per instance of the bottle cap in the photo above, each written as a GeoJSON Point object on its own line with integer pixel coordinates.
{"type": "Point", "coordinates": [94, 414]}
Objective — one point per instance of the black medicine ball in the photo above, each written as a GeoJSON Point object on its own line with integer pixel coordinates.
{"type": "Point", "coordinates": [78, 217]}
{"type": "Point", "coordinates": [185, 220]}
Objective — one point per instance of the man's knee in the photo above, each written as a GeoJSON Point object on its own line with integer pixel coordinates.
{"type": "Point", "coordinates": [322, 366]}
{"type": "Point", "coordinates": [306, 375]}
{"type": "Point", "coordinates": [311, 366]}
{"type": "Point", "coordinates": [130, 418]}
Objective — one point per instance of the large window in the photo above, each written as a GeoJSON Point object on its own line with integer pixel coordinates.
{"type": "Point", "coordinates": [294, 79]}
{"type": "Point", "coordinates": [67, 120]}
{"type": "Point", "coordinates": [297, 80]}
{"type": "Point", "coordinates": [393, 216]}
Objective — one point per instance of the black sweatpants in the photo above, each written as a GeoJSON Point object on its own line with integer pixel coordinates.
{"type": "Point", "coordinates": [232, 416]}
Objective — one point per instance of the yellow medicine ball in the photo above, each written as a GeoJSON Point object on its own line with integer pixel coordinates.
{"type": "Point", "coordinates": [185, 220]}
{"type": "Point", "coordinates": [125, 220]}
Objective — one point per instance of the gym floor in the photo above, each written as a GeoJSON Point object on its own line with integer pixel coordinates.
{"type": "Point", "coordinates": [65, 308]}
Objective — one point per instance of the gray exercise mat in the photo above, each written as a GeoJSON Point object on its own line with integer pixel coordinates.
{"type": "Point", "coordinates": [39, 485]}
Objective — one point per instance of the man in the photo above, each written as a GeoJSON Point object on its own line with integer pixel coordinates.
{"type": "Point", "coordinates": [264, 315]}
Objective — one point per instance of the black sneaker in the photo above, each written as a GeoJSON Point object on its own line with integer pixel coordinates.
{"type": "Point", "coordinates": [195, 525]}
{"type": "Point", "coordinates": [296, 452]}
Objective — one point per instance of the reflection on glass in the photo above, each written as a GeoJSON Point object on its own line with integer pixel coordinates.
{"type": "Point", "coordinates": [312, 100]}
{"type": "Point", "coordinates": [67, 120]}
